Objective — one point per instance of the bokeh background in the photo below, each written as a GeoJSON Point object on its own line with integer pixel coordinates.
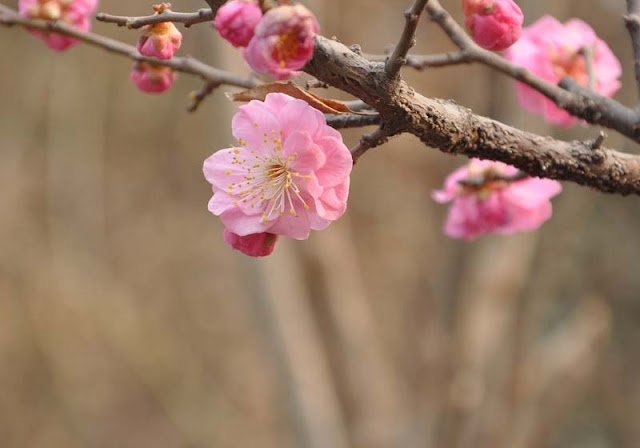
{"type": "Point", "coordinates": [125, 321]}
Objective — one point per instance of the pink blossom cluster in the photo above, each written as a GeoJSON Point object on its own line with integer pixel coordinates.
{"type": "Point", "coordinates": [493, 24]}
{"type": "Point", "coordinates": [277, 43]}
{"type": "Point", "coordinates": [553, 51]}
{"type": "Point", "coordinates": [487, 198]}
{"type": "Point", "coordinates": [288, 175]}
{"type": "Point", "coordinates": [76, 13]}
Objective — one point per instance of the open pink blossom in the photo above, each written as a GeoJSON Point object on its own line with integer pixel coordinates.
{"type": "Point", "coordinates": [152, 78]}
{"type": "Point", "coordinates": [159, 40]}
{"type": "Point", "coordinates": [236, 21]}
{"type": "Point", "coordinates": [487, 198]}
{"type": "Point", "coordinates": [283, 41]}
{"type": "Point", "coordinates": [288, 174]}
{"type": "Point", "coordinates": [553, 51]}
{"type": "Point", "coordinates": [493, 24]}
{"type": "Point", "coordinates": [254, 245]}
{"type": "Point", "coordinates": [76, 13]}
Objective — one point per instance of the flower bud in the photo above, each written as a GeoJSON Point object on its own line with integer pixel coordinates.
{"type": "Point", "coordinates": [283, 41]}
{"type": "Point", "coordinates": [152, 78]}
{"type": "Point", "coordinates": [254, 245]}
{"type": "Point", "coordinates": [160, 40]}
{"type": "Point", "coordinates": [236, 21]}
{"type": "Point", "coordinates": [493, 24]}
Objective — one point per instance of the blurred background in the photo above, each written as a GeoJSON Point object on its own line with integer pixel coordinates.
{"type": "Point", "coordinates": [125, 320]}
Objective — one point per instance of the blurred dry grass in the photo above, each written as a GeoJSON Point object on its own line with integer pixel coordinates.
{"type": "Point", "coordinates": [126, 322]}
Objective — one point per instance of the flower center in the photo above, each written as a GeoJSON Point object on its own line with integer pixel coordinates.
{"type": "Point", "coordinates": [570, 62]}
{"type": "Point", "coordinates": [286, 48]}
{"type": "Point", "coordinates": [49, 9]}
{"type": "Point", "coordinates": [269, 181]}
{"type": "Point", "coordinates": [483, 182]}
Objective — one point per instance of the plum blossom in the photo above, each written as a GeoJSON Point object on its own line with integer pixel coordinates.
{"type": "Point", "coordinates": [159, 40]}
{"type": "Point", "coordinates": [288, 174]}
{"type": "Point", "coordinates": [490, 197]}
{"type": "Point", "coordinates": [283, 41]}
{"type": "Point", "coordinates": [152, 78]}
{"type": "Point", "coordinates": [553, 51]}
{"type": "Point", "coordinates": [493, 24]}
{"type": "Point", "coordinates": [236, 21]}
{"type": "Point", "coordinates": [254, 245]}
{"type": "Point", "coordinates": [76, 13]}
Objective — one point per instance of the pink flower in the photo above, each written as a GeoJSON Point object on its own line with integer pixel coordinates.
{"type": "Point", "coordinates": [254, 245]}
{"type": "Point", "coordinates": [236, 21]}
{"type": "Point", "coordinates": [486, 199]}
{"type": "Point", "coordinates": [289, 173]}
{"type": "Point", "coordinates": [283, 41]}
{"type": "Point", "coordinates": [160, 40]}
{"type": "Point", "coordinates": [73, 12]}
{"type": "Point", "coordinates": [152, 78]}
{"type": "Point", "coordinates": [493, 24]}
{"type": "Point", "coordinates": [552, 51]}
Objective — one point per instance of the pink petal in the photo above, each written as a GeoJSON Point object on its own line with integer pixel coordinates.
{"type": "Point", "coordinates": [252, 121]}
{"type": "Point", "coordinates": [338, 162]}
{"type": "Point", "coordinates": [308, 156]}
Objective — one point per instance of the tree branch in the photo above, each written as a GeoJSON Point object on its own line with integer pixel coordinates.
{"type": "Point", "coordinates": [454, 129]}
{"type": "Point", "coordinates": [189, 65]}
{"type": "Point", "coordinates": [369, 141]}
{"type": "Point", "coordinates": [351, 121]}
{"type": "Point", "coordinates": [186, 18]}
{"type": "Point", "coordinates": [407, 40]}
{"type": "Point", "coordinates": [582, 103]}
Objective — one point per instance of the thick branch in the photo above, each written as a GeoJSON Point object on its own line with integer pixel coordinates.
{"type": "Point", "coordinates": [454, 129]}
{"type": "Point", "coordinates": [193, 66]}
{"type": "Point", "coordinates": [632, 20]}
{"type": "Point", "coordinates": [186, 18]}
{"type": "Point", "coordinates": [352, 121]}
{"type": "Point", "coordinates": [407, 40]}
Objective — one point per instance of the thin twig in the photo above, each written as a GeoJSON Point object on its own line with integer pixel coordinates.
{"type": "Point", "coordinates": [189, 65]}
{"type": "Point", "coordinates": [482, 180]}
{"type": "Point", "coordinates": [369, 141]}
{"type": "Point", "coordinates": [186, 18]}
{"type": "Point", "coordinates": [588, 54]}
{"type": "Point", "coordinates": [407, 40]}
{"type": "Point", "coordinates": [198, 97]}
{"type": "Point", "coordinates": [430, 60]}
{"type": "Point", "coordinates": [632, 20]}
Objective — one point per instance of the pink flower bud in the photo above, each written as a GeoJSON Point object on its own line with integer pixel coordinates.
{"type": "Point", "coordinates": [493, 24]}
{"type": "Point", "coordinates": [72, 12]}
{"type": "Point", "coordinates": [160, 40]}
{"type": "Point", "coordinates": [236, 21]}
{"type": "Point", "coordinates": [152, 78]}
{"type": "Point", "coordinates": [488, 199]}
{"type": "Point", "coordinates": [283, 41]}
{"type": "Point", "coordinates": [254, 245]}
